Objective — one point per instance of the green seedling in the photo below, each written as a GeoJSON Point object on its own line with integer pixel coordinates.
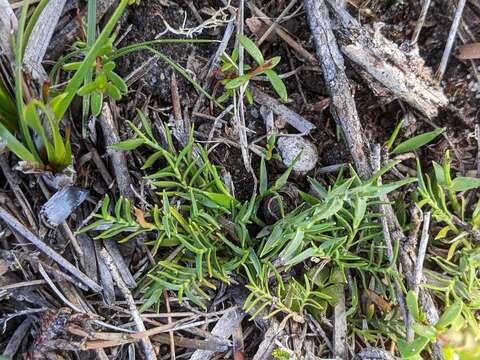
{"type": "Point", "coordinates": [445, 331]}
{"type": "Point", "coordinates": [230, 71]}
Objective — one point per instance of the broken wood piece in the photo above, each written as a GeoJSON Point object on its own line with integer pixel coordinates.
{"type": "Point", "coordinates": [371, 353]}
{"type": "Point", "coordinates": [8, 24]}
{"type": "Point", "coordinates": [14, 183]}
{"type": "Point", "coordinates": [298, 122]}
{"type": "Point", "coordinates": [451, 39]}
{"type": "Point", "coordinates": [215, 63]}
{"type": "Point", "coordinates": [422, 248]}
{"type": "Point", "coordinates": [59, 207]}
{"type": "Point", "coordinates": [421, 21]}
{"type": "Point", "coordinates": [340, 347]}
{"type": "Point", "coordinates": [405, 75]}
{"type": "Point", "coordinates": [105, 277]}
{"type": "Point", "coordinates": [70, 31]}
{"type": "Point", "coordinates": [146, 344]}
{"type": "Point", "coordinates": [267, 345]}
{"type": "Point", "coordinates": [117, 157]}
{"type": "Point", "coordinates": [125, 273]}
{"type": "Point", "coordinates": [47, 250]}
{"type": "Point", "coordinates": [17, 338]}
{"type": "Point", "coordinates": [40, 38]}
{"type": "Point", "coordinates": [223, 329]}
{"type": "Point", "coordinates": [88, 261]}
{"type": "Point", "coordinates": [468, 51]}
{"type": "Point", "coordinates": [342, 104]}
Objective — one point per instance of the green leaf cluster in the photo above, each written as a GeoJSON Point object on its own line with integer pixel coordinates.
{"type": "Point", "coordinates": [231, 72]}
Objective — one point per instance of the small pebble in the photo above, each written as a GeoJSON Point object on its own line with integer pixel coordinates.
{"type": "Point", "coordinates": [290, 147]}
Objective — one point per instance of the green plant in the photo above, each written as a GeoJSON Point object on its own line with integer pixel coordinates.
{"type": "Point", "coordinates": [451, 271]}
{"type": "Point", "coordinates": [218, 239]}
{"type": "Point", "coordinates": [52, 152]}
{"type": "Point", "coordinates": [444, 195]}
{"type": "Point", "coordinates": [450, 325]}
{"type": "Point", "coordinates": [106, 80]}
{"type": "Point", "coordinates": [232, 79]}
{"type": "Point", "coordinates": [279, 354]}
{"type": "Point", "coordinates": [413, 143]}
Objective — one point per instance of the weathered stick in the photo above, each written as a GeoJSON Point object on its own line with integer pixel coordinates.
{"type": "Point", "coordinates": [47, 250]}
{"type": "Point", "coordinates": [342, 104]}
{"type": "Point", "coordinates": [340, 348]}
{"type": "Point", "coordinates": [451, 39]}
{"type": "Point", "coordinates": [207, 82]}
{"type": "Point", "coordinates": [146, 344]}
{"type": "Point", "coordinates": [223, 329]}
{"type": "Point", "coordinates": [405, 76]}
{"type": "Point", "coordinates": [344, 111]}
{"type": "Point", "coordinates": [290, 41]}
{"type": "Point", "coordinates": [119, 163]}
{"type": "Point", "coordinates": [13, 181]}
{"type": "Point", "coordinates": [8, 23]}
{"type": "Point", "coordinates": [298, 122]}
{"type": "Point", "coordinates": [40, 38]}
{"type": "Point", "coordinates": [422, 248]}
{"type": "Point", "coordinates": [65, 36]}
{"type": "Point", "coordinates": [421, 21]}
{"type": "Point", "coordinates": [275, 23]}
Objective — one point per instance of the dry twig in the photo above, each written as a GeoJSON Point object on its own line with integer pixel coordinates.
{"type": "Point", "coordinates": [147, 345]}
{"type": "Point", "coordinates": [47, 250]}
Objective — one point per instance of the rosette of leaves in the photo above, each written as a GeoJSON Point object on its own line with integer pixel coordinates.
{"type": "Point", "coordinates": [232, 79]}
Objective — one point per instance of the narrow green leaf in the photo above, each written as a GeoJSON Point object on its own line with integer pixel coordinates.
{"type": "Point", "coordinates": [263, 177]}
{"type": "Point", "coordinates": [412, 305]}
{"type": "Point", "coordinates": [252, 49]}
{"type": "Point", "coordinates": [394, 135]}
{"type": "Point", "coordinates": [118, 82]}
{"type": "Point", "coordinates": [96, 103]}
{"type": "Point", "coordinates": [16, 146]}
{"type": "Point", "coordinates": [113, 92]}
{"type": "Point", "coordinates": [236, 82]}
{"type": "Point", "coordinates": [439, 173]}
{"type": "Point", "coordinates": [417, 141]}
{"type": "Point", "coordinates": [277, 84]}
{"type": "Point", "coordinates": [295, 244]}
{"type": "Point", "coordinates": [130, 144]}
{"type": "Point", "coordinates": [428, 332]}
{"type": "Point", "coordinates": [87, 89]}
{"type": "Point", "coordinates": [463, 183]}
{"type": "Point", "coordinates": [450, 315]}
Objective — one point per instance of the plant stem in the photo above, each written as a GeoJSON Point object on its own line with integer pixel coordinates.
{"type": "Point", "coordinates": [26, 136]}
{"type": "Point", "coordinates": [91, 26]}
